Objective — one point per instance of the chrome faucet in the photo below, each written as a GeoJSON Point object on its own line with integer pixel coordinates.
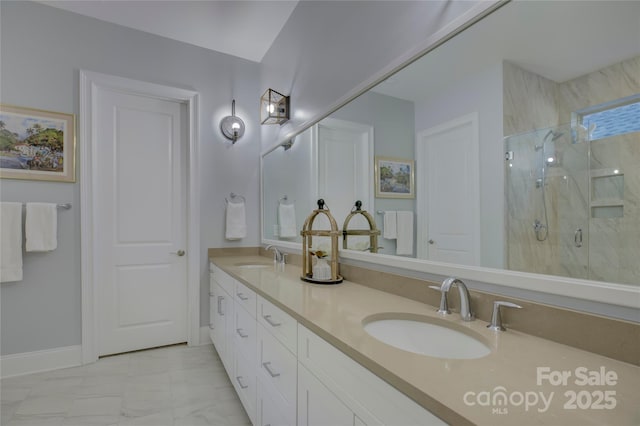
{"type": "Point", "coordinates": [278, 256]}
{"type": "Point", "coordinates": [465, 309]}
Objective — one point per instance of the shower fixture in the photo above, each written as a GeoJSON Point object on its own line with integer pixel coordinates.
{"type": "Point", "coordinates": [548, 157]}
{"type": "Point", "coordinates": [555, 135]}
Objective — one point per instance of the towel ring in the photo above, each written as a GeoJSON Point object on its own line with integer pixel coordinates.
{"type": "Point", "coordinates": [233, 196]}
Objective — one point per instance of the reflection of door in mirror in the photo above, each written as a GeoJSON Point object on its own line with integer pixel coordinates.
{"type": "Point", "coordinates": [345, 170]}
{"type": "Point", "coordinates": [448, 210]}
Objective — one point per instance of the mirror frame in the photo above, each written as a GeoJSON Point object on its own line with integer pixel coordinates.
{"type": "Point", "coordinates": [622, 295]}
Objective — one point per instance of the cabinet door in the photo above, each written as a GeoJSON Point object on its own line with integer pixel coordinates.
{"type": "Point", "coordinates": [227, 329]}
{"type": "Point", "coordinates": [217, 300]}
{"type": "Point", "coordinates": [271, 408]}
{"type": "Point", "coordinates": [317, 405]}
{"type": "Point", "coordinates": [244, 381]}
{"type": "Point", "coordinates": [213, 304]}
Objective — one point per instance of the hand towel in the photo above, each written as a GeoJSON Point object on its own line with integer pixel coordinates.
{"type": "Point", "coordinates": [287, 220]}
{"type": "Point", "coordinates": [404, 242]}
{"type": "Point", "coordinates": [389, 228]}
{"type": "Point", "coordinates": [41, 227]}
{"type": "Point", "coordinates": [236, 224]}
{"type": "Point", "coordinates": [10, 242]}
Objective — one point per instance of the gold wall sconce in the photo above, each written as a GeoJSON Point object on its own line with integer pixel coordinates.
{"type": "Point", "coordinates": [274, 107]}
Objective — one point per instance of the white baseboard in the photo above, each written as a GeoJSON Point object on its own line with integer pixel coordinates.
{"type": "Point", "coordinates": [205, 339]}
{"type": "Point", "coordinates": [39, 361]}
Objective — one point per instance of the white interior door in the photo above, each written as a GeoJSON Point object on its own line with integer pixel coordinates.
{"type": "Point", "coordinates": [449, 203]}
{"type": "Point", "coordinates": [345, 170]}
{"type": "Point", "coordinates": [140, 228]}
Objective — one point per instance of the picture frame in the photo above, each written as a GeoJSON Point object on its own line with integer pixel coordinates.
{"type": "Point", "coordinates": [395, 178]}
{"type": "Point", "coordinates": [37, 144]}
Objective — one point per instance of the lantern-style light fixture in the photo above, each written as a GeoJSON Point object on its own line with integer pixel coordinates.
{"type": "Point", "coordinates": [274, 107]}
{"type": "Point", "coordinates": [232, 127]}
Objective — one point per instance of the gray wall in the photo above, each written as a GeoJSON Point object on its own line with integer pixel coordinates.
{"type": "Point", "coordinates": [328, 48]}
{"type": "Point", "coordinates": [43, 49]}
{"type": "Point", "coordinates": [480, 91]}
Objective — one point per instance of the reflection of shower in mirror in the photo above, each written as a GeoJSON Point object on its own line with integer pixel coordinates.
{"type": "Point", "coordinates": [549, 158]}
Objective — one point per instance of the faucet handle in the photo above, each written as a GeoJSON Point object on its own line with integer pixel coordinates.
{"type": "Point", "coordinates": [444, 305]}
{"type": "Point", "coordinates": [496, 319]}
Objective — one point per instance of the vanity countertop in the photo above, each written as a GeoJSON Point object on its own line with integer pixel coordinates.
{"type": "Point", "coordinates": [458, 391]}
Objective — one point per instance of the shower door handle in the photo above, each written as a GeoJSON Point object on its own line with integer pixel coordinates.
{"type": "Point", "coordinates": [577, 237]}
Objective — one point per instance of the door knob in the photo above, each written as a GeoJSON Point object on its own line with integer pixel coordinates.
{"type": "Point", "coordinates": [179, 252]}
{"type": "Point", "coordinates": [431, 242]}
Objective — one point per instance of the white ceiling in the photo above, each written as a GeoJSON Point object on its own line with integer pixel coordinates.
{"type": "Point", "coordinates": [559, 40]}
{"type": "Point", "coordinates": [240, 28]}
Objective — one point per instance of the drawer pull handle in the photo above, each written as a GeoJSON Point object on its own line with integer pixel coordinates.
{"type": "Point", "coordinates": [220, 299]}
{"type": "Point", "coordinates": [242, 297]}
{"type": "Point", "coordinates": [268, 319]}
{"type": "Point", "coordinates": [211, 326]}
{"type": "Point", "coordinates": [239, 380]}
{"type": "Point", "coordinates": [269, 370]}
{"type": "Point", "coordinates": [211, 294]}
{"type": "Point", "coordinates": [239, 331]}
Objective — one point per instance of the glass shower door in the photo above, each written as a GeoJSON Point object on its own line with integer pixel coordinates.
{"type": "Point", "coordinates": [547, 203]}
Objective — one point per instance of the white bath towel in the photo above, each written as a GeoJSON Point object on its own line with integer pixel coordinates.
{"type": "Point", "coordinates": [11, 242]}
{"type": "Point", "coordinates": [389, 228]}
{"type": "Point", "coordinates": [236, 224]}
{"type": "Point", "coordinates": [41, 227]}
{"type": "Point", "coordinates": [404, 242]}
{"type": "Point", "coordinates": [287, 220]}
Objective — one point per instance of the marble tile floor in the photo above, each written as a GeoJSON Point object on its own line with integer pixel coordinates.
{"type": "Point", "coordinates": [171, 386]}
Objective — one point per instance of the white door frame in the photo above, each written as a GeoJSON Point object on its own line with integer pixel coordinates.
{"type": "Point", "coordinates": [89, 83]}
{"type": "Point", "coordinates": [422, 196]}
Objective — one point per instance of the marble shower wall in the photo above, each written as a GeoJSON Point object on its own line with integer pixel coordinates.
{"type": "Point", "coordinates": [529, 103]}
{"type": "Point", "coordinates": [611, 245]}
{"type": "Point", "coordinates": [614, 247]}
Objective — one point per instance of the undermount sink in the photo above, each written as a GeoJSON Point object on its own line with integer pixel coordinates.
{"type": "Point", "coordinates": [252, 265]}
{"type": "Point", "coordinates": [422, 335]}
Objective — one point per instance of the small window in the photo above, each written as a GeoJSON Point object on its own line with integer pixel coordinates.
{"type": "Point", "coordinates": [613, 118]}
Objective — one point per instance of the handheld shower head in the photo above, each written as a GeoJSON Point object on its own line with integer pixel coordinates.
{"type": "Point", "coordinates": [554, 136]}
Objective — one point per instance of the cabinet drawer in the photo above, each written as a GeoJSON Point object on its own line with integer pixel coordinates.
{"type": "Point", "coordinates": [244, 381]}
{"type": "Point", "coordinates": [246, 297]}
{"type": "Point", "coordinates": [277, 366]}
{"type": "Point", "coordinates": [245, 333]}
{"type": "Point", "coordinates": [225, 280]}
{"type": "Point", "coordinates": [282, 325]}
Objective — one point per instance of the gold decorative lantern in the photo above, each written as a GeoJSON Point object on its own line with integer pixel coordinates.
{"type": "Point", "coordinates": [372, 232]}
{"type": "Point", "coordinates": [307, 241]}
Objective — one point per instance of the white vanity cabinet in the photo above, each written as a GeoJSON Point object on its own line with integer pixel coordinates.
{"type": "Point", "coordinates": [285, 374]}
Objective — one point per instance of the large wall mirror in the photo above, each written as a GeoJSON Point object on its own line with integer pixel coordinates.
{"type": "Point", "coordinates": [520, 138]}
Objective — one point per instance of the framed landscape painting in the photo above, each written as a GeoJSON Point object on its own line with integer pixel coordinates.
{"type": "Point", "coordinates": [36, 144]}
{"type": "Point", "coordinates": [394, 178]}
